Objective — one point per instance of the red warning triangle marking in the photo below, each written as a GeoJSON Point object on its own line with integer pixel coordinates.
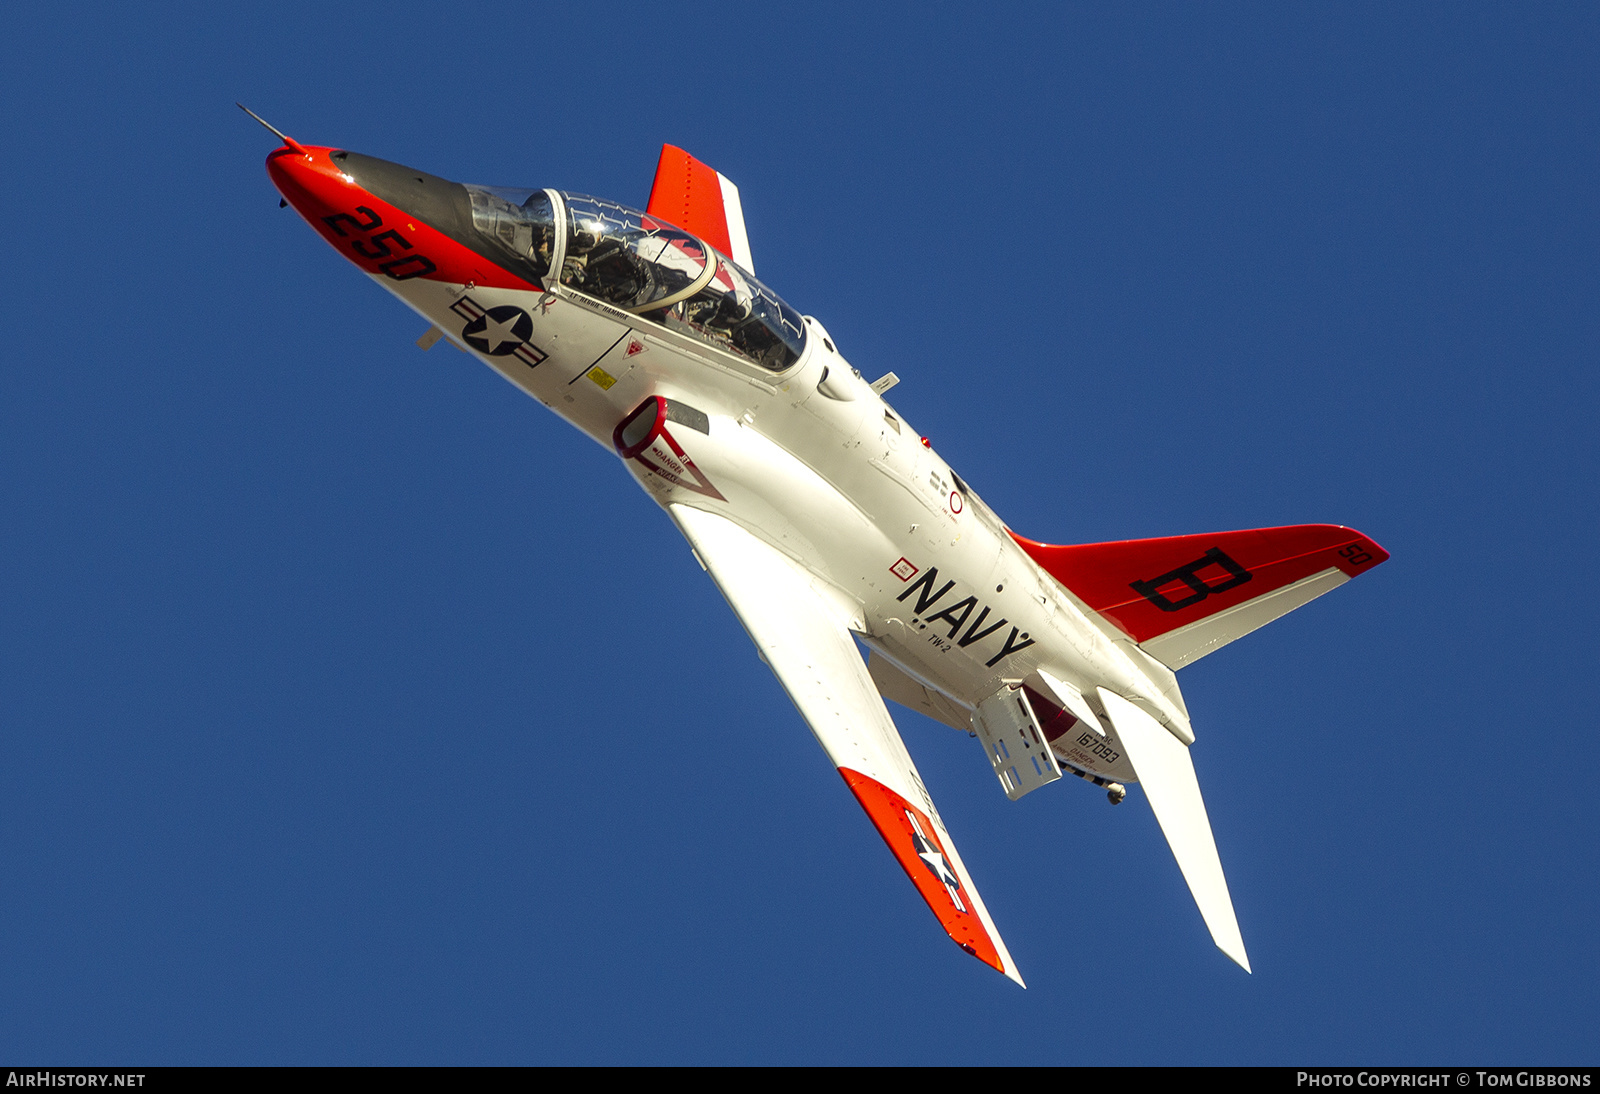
{"type": "Point", "coordinates": [635, 347]}
{"type": "Point", "coordinates": [679, 470]}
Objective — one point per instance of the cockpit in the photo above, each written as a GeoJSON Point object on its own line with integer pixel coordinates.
{"type": "Point", "coordinates": [639, 264]}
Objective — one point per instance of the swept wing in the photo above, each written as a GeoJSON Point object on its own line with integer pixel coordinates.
{"type": "Point", "coordinates": [802, 631]}
{"type": "Point", "coordinates": [1183, 597]}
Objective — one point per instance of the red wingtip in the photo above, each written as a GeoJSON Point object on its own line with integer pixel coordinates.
{"type": "Point", "coordinates": [913, 838]}
{"type": "Point", "coordinates": [1149, 587]}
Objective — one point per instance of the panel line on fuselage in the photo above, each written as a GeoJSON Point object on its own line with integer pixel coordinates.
{"type": "Point", "coordinates": [584, 371]}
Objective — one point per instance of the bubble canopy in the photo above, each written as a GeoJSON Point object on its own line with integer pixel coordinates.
{"type": "Point", "coordinates": [608, 251]}
{"type": "Point", "coordinates": [642, 265]}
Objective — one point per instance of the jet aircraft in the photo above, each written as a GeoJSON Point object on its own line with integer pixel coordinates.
{"type": "Point", "coordinates": [820, 513]}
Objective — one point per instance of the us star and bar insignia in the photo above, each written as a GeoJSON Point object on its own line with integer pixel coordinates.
{"type": "Point", "coordinates": [499, 332]}
{"type": "Point", "coordinates": [932, 856]}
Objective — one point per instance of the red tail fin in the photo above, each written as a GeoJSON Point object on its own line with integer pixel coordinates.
{"type": "Point", "coordinates": [701, 201]}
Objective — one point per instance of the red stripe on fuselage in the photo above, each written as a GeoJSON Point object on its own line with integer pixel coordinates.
{"type": "Point", "coordinates": [376, 236]}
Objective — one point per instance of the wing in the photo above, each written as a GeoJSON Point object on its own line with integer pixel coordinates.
{"type": "Point", "coordinates": [1183, 597]}
{"type": "Point", "coordinates": [700, 201]}
{"type": "Point", "coordinates": [801, 629]}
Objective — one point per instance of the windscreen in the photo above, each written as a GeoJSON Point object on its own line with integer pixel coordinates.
{"type": "Point", "coordinates": [521, 225]}
{"type": "Point", "coordinates": [647, 266]}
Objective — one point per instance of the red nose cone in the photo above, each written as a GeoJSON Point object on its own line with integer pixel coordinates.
{"type": "Point", "coordinates": [378, 237]}
{"type": "Point", "coordinates": [309, 181]}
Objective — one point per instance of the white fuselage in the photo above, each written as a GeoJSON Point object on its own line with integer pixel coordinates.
{"type": "Point", "coordinates": [843, 486]}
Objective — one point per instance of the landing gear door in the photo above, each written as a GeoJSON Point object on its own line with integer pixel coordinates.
{"type": "Point", "coordinates": [1080, 739]}
{"type": "Point", "coordinates": [1017, 749]}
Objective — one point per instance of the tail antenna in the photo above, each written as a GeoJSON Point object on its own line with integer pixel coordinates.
{"type": "Point", "coordinates": [289, 141]}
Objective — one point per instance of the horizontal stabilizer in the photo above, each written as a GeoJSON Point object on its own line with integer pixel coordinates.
{"type": "Point", "coordinates": [1182, 597]}
{"type": "Point", "coordinates": [1167, 774]}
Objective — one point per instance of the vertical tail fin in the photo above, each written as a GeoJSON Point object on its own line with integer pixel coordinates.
{"type": "Point", "coordinates": [702, 201]}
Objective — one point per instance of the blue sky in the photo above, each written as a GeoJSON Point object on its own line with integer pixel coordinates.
{"type": "Point", "coordinates": [354, 709]}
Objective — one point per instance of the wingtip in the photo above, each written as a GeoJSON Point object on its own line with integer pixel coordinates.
{"type": "Point", "coordinates": [1001, 961]}
{"type": "Point", "coordinates": [1225, 933]}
